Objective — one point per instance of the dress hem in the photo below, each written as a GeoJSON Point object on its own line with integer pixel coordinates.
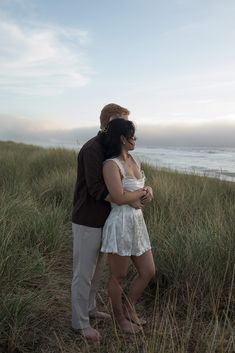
{"type": "Point", "coordinates": [126, 254]}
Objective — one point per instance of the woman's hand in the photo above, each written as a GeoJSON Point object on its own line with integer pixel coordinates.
{"type": "Point", "coordinates": [141, 192]}
{"type": "Point", "coordinates": [149, 195]}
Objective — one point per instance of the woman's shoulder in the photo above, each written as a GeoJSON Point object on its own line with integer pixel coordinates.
{"type": "Point", "coordinates": [110, 161]}
{"type": "Point", "coordinates": [114, 163]}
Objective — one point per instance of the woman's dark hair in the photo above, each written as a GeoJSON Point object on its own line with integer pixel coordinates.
{"type": "Point", "coordinates": [111, 136]}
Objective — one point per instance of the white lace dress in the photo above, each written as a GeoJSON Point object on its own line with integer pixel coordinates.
{"type": "Point", "coordinates": [125, 232]}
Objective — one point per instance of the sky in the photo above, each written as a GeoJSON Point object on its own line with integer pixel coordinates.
{"type": "Point", "coordinates": [171, 63]}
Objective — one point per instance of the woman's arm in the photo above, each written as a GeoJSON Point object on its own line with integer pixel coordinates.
{"type": "Point", "coordinates": [113, 182]}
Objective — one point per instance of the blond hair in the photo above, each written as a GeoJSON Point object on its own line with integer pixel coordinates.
{"type": "Point", "coordinates": [111, 110]}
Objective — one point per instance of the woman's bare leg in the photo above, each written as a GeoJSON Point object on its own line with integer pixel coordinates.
{"type": "Point", "coordinates": [119, 267]}
{"type": "Point", "coordinates": [145, 267]}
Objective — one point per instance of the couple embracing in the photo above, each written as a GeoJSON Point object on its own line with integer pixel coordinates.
{"type": "Point", "coordinates": [107, 218]}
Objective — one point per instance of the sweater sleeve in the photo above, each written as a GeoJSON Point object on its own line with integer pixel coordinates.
{"type": "Point", "coordinates": [93, 166]}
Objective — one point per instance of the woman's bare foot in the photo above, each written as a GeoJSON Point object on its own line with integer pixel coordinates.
{"type": "Point", "coordinates": [128, 326]}
{"type": "Point", "coordinates": [132, 316]}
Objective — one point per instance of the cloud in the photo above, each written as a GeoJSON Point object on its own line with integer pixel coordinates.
{"type": "Point", "coordinates": [216, 133]}
{"type": "Point", "coordinates": [40, 132]}
{"type": "Point", "coordinates": [40, 59]}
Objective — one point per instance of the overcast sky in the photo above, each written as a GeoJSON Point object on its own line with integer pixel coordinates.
{"type": "Point", "coordinates": [171, 63]}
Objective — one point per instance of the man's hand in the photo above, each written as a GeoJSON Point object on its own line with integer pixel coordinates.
{"type": "Point", "coordinates": [149, 196]}
{"type": "Point", "coordinates": [137, 204]}
{"type": "Point", "coordinates": [108, 198]}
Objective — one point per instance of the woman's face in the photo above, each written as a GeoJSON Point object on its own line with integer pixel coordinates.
{"type": "Point", "coordinates": [129, 144]}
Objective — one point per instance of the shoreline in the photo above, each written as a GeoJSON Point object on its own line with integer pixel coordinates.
{"type": "Point", "coordinates": [155, 158]}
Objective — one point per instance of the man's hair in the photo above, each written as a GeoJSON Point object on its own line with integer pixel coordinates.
{"type": "Point", "coordinates": [110, 110]}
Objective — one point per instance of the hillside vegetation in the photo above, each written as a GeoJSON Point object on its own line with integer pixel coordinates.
{"type": "Point", "coordinates": [191, 221]}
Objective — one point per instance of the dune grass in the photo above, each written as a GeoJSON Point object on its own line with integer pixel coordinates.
{"type": "Point", "coordinates": [191, 305]}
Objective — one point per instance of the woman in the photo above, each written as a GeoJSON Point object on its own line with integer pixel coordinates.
{"type": "Point", "coordinates": [125, 235]}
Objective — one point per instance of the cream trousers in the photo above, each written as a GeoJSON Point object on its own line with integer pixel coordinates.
{"type": "Point", "coordinates": [86, 273]}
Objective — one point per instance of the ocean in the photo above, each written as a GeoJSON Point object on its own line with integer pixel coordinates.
{"type": "Point", "coordinates": [212, 162]}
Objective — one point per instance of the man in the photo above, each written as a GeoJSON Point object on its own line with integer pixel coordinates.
{"type": "Point", "coordinates": [91, 208]}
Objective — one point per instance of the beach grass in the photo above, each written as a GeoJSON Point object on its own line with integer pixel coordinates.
{"type": "Point", "coordinates": [190, 306]}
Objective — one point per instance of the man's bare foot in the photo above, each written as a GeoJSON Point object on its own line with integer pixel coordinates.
{"type": "Point", "coordinates": [128, 326]}
{"type": "Point", "coordinates": [100, 315]}
{"type": "Point", "coordinates": [90, 334]}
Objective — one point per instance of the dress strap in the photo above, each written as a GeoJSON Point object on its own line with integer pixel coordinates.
{"type": "Point", "coordinates": [136, 160]}
{"type": "Point", "coordinates": [119, 164]}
